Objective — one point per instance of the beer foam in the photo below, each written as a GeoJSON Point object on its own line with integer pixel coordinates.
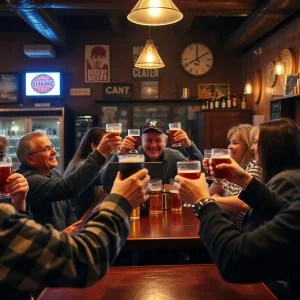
{"type": "Point", "coordinates": [131, 160]}
{"type": "Point", "coordinates": [114, 131]}
{"type": "Point", "coordinates": [188, 171]}
{"type": "Point", "coordinates": [174, 191]}
{"type": "Point", "coordinates": [175, 129]}
{"type": "Point", "coordinates": [7, 165]}
{"type": "Point", "coordinates": [155, 189]}
{"type": "Point", "coordinates": [221, 157]}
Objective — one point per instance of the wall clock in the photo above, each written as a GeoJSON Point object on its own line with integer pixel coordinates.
{"type": "Point", "coordinates": [288, 60]}
{"type": "Point", "coordinates": [196, 59]}
{"type": "Point", "coordinates": [271, 77]}
{"type": "Point", "coordinates": [257, 86]}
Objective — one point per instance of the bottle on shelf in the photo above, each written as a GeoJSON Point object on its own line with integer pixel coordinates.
{"type": "Point", "coordinates": [207, 103]}
{"type": "Point", "coordinates": [203, 104]}
{"type": "Point", "coordinates": [243, 103]}
{"type": "Point", "coordinates": [234, 101]}
{"type": "Point", "coordinates": [223, 102]}
{"type": "Point", "coordinates": [211, 102]}
{"type": "Point", "coordinates": [240, 101]}
{"type": "Point", "coordinates": [217, 101]}
{"type": "Point", "coordinates": [228, 100]}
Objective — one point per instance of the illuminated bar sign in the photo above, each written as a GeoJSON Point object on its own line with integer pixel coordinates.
{"type": "Point", "coordinates": [117, 90]}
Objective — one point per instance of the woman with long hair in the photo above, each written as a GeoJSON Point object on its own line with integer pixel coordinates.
{"type": "Point", "coordinates": [89, 142]}
{"type": "Point", "coordinates": [226, 195]}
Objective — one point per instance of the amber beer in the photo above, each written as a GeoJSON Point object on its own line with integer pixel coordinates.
{"type": "Point", "coordinates": [174, 127]}
{"type": "Point", "coordinates": [156, 205]}
{"type": "Point", "coordinates": [115, 128]}
{"type": "Point", "coordinates": [176, 203]}
{"type": "Point", "coordinates": [5, 172]}
{"type": "Point", "coordinates": [130, 164]}
{"type": "Point", "coordinates": [220, 174]}
{"type": "Point", "coordinates": [190, 174]}
{"type": "Point", "coordinates": [135, 133]}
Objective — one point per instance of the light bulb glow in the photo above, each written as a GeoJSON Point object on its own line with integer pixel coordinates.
{"type": "Point", "coordinates": [279, 69]}
{"type": "Point", "coordinates": [248, 88]}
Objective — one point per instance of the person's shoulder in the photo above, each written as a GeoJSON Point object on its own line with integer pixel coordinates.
{"type": "Point", "coordinates": [290, 174]}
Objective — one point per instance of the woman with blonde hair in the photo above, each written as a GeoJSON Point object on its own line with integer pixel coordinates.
{"type": "Point", "coordinates": [226, 195]}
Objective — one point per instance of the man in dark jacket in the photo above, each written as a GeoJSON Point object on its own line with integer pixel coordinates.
{"type": "Point", "coordinates": [48, 191]}
{"type": "Point", "coordinates": [270, 252]}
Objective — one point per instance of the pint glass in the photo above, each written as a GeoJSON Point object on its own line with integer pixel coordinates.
{"type": "Point", "coordinates": [117, 129]}
{"type": "Point", "coordinates": [189, 169]}
{"type": "Point", "coordinates": [156, 205]}
{"type": "Point", "coordinates": [174, 127]}
{"type": "Point", "coordinates": [176, 203]}
{"type": "Point", "coordinates": [5, 172]}
{"type": "Point", "coordinates": [207, 156]}
{"type": "Point", "coordinates": [130, 164]}
{"type": "Point", "coordinates": [219, 156]}
{"type": "Point", "coordinates": [135, 133]}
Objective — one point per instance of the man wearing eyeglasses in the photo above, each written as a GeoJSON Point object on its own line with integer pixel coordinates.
{"type": "Point", "coordinates": [48, 191]}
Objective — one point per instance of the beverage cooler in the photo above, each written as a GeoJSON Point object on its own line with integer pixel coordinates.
{"type": "Point", "coordinates": [82, 124]}
{"type": "Point", "coordinates": [55, 122]}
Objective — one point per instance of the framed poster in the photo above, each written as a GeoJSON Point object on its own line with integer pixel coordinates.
{"type": "Point", "coordinates": [9, 88]}
{"type": "Point", "coordinates": [97, 63]}
{"type": "Point", "coordinates": [205, 89]}
{"type": "Point", "coordinates": [291, 83]}
{"type": "Point", "coordinates": [115, 114]}
{"type": "Point", "coordinates": [149, 90]}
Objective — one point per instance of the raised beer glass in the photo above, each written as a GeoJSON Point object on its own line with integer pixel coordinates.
{"type": "Point", "coordinates": [117, 129]}
{"type": "Point", "coordinates": [207, 156]}
{"type": "Point", "coordinates": [135, 133]}
{"type": "Point", "coordinates": [130, 164]}
{"type": "Point", "coordinates": [175, 201]}
{"type": "Point", "coordinates": [220, 156]}
{"type": "Point", "coordinates": [174, 127]}
{"type": "Point", "coordinates": [156, 204]}
{"type": "Point", "coordinates": [5, 172]}
{"type": "Point", "coordinates": [189, 169]}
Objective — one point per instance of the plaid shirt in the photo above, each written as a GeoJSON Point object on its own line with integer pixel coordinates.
{"type": "Point", "coordinates": [34, 256]}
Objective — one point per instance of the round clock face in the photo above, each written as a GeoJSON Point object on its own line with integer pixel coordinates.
{"type": "Point", "coordinates": [288, 61]}
{"type": "Point", "coordinates": [196, 59]}
{"type": "Point", "coordinates": [271, 77]}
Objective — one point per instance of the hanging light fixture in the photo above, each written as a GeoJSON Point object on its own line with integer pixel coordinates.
{"type": "Point", "coordinates": [279, 67]}
{"type": "Point", "coordinates": [155, 13]}
{"type": "Point", "coordinates": [248, 88]}
{"type": "Point", "coordinates": [149, 57]}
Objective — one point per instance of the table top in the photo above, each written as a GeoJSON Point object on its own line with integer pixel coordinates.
{"type": "Point", "coordinates": [165, 231]}
{"type": "Point", "coordinates": [186, 282]}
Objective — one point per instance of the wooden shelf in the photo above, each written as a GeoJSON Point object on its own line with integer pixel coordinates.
{"type": "Point", "coordinates": [153, 101]}
{"type": "Point", "coordinates": [286, 97]}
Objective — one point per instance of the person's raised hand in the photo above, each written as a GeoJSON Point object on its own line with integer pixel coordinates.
{"type": "Point", "coordinates": [181, 137]}
{"type": "Point", "coordinates": [135, 188]}
{"type": "Point", "coordinates": [192, 190]}
{"type": "Point", "coordinates": [128, 143]}
{"type": "Point", "coordinates": [111, 141]}
{"type": "Point", "coordinates": [17, 186]}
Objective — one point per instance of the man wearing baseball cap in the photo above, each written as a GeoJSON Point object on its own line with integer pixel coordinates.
{"type": "Point", "coordinates": [154, 140]}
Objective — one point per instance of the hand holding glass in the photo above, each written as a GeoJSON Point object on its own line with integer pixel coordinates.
{"type": "Point", "coordinates": [220, 156]}
{"type": "Point", "coordinates": [174, 127]}
{"type": "Point", "coordinates": [117, 129]}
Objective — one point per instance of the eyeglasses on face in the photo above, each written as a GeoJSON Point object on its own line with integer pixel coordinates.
{"type": "Point", "coordinates": [47, 149]}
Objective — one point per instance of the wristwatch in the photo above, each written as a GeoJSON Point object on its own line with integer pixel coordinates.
{"type": "Point", "coordinates": [202, 203]}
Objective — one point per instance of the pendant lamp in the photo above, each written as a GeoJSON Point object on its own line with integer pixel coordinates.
{"type": "Point", "coordinates": [248, 88]}
{"type": "Point", "coordinates": [149, 57]}
{"type": "Point", "coordinates": [155, 13]}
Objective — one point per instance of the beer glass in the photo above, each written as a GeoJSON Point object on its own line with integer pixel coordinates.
{"type": "Point", "coordinates": [207, 156]}
{"type": "Point", "coordinates": [176, 203]}
{"type": "Point", "coordinates": [189, 169]}
{"type": "Point", "coordinates": [174, 127]}
{"type": "Point", "coordinates": [117, 129]}
{"type": "Point", "coordinates": [156, 205]}
{"type": "Point", "coordinates": [219, 156]}
{"type": "Point", "coordinates": [135, 133]}
{"type": "Point", "coordinates": [5, 172]}
{"type": "Point", "coordinates": [130, 164]}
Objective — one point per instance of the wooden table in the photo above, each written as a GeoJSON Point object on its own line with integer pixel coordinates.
{"type": "Point", "coordinates": [186, 282]}
{"type": "Point", "coordinates": [168, 230]}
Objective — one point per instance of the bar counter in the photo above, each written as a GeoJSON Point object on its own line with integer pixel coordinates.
{"type": "Point", "coordinates": [186, 282]}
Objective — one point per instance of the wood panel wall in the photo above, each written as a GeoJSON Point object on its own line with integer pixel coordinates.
{"type": "Point", "coordinates": [286, 37]}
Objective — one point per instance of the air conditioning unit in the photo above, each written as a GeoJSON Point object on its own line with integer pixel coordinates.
{"type": "Point", "coordinates": [40, 51]}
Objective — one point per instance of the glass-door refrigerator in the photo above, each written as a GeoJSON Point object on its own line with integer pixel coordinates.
{"type": "Point", "coordinates": [55, 122]}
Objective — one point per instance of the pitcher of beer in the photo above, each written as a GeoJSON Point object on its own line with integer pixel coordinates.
{"type": "Point", "coordinates": [220, 156]}
{"type": "Point", "coordinates": [5, 172]}
{"type": "Point", "coordinates": [174, 127]}
{"type": "Point", "coordinates": [130, 164]}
